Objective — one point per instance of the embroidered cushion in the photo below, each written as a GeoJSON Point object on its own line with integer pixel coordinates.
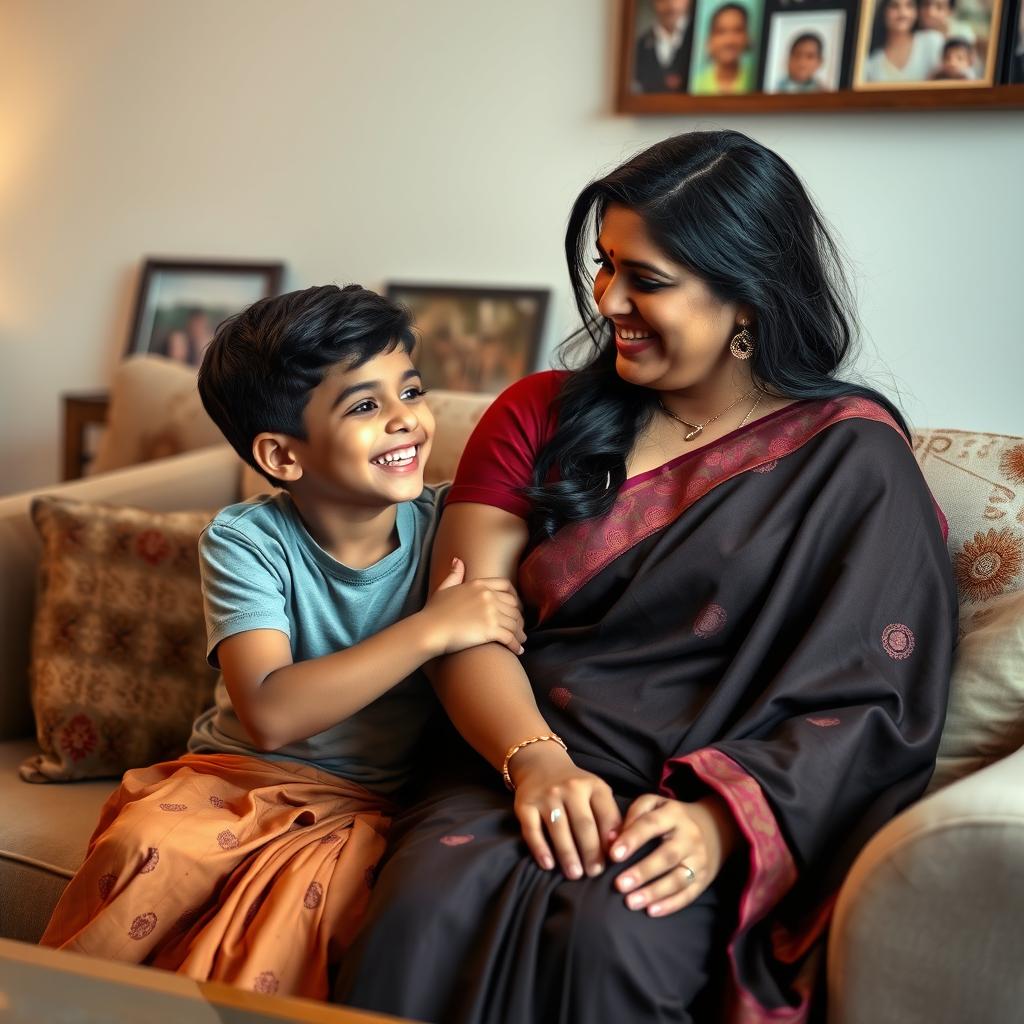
{"type": "Point", "coordinates": [978, 480]}
{"type": "Point", "coordinates": [118, 669]}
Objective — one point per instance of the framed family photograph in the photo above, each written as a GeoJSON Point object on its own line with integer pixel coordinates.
{"type": "Point", "coordinates": [474, 339]}
{"type": "Point", "coordinates": [180, 303]}
{"type": "Point", "coordinates": [928, 44]}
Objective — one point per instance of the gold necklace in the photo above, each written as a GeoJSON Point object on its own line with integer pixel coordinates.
{"type": "Point", "coordinates": [694, 430]}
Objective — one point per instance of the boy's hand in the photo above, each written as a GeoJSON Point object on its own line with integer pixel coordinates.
{"type": "Point", "coordinates": [461, 615]}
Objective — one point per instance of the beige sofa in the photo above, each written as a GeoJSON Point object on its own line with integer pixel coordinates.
{"type": "Point", "coordinates": [929, 923]}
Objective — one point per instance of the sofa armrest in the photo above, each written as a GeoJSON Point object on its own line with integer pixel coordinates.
{"type": "Point", "coordinates": [928, 923]}
{"type": "Point", "coordinates": [205, 479]}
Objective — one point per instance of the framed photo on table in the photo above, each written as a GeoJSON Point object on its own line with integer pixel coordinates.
{"type": "Point", "coordinates": [180, 303]}
{"type": "Point", "coordinates": [474, 338]}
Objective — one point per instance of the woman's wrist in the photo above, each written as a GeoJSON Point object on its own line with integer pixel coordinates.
{"type": "Point", "coordinates": [536, 757]}
{"type": "Point", "coordinates": [715, 815]}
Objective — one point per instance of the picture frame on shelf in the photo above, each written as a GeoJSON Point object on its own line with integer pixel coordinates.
{"type": "Point", "coordinates": [180, 302]}
{"type": "Point", "coordinates": [726, 47]}
{"type": "Point", "coordinates": [1013, 65]}
{"type": "Point", "coordinates": [952, 46]}
{"type": "Point", "coordinates": [809, 46]}
{"type": "Point", "coordinates": [474, 338]}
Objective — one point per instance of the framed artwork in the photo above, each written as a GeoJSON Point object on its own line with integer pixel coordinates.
{"type": "Point", "coordinates": [928, 44]}
{"type": "Point", "coordinates": [766, 56]}
{"type": "Point", "coordinates": [180, 303]}
{"type": "Point", "coordinates": [474, 339]}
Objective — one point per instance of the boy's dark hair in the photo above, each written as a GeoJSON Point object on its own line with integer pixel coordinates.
{"type": "Point", "coordinates": [729, 7]}
{"type": "Point", "coordinates": [956, 43]}
{"type": "Point", "coordinates": [262, 364]}
{"type": "Point", "coordinates": [809, 37]}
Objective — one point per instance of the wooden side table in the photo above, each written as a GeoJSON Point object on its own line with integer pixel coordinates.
{"type": "Point", "coordinates": [81, 410]}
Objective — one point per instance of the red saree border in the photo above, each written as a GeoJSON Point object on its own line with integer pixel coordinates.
{"type": "Point", "coordinates": [772, 873]}
{"type": "Point", "coordinates": [558, 568]}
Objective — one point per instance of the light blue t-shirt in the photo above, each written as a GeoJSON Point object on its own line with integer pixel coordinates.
{"type": "Point", "coordinates": [261, 569]}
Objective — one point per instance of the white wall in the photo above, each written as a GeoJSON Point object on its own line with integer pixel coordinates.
{"type": "Point", "coordinates": [360, 140]}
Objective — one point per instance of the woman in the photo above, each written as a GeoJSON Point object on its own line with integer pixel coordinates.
{"type": "Point", "coordinates": [742, 619]}
{"type": "Point", "coordinates": [899, 50]}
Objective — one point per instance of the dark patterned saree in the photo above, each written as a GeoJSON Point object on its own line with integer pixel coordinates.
{"type": "Point", "coordinates": [772, 618]}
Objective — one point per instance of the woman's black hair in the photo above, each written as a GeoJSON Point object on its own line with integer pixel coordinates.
{"type": "Point", "coordinates": [736, 215]}
{"type": "Point", "coordinates": [878, 29]}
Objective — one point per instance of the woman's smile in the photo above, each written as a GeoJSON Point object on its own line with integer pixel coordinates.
{"type": "Point", "coordinates": [631, 341]}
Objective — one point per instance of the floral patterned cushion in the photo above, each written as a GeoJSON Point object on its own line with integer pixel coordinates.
{"type": "Point", "coordinates": [978, 480]}
{"type": "Point", "coordinates": [119, 642]}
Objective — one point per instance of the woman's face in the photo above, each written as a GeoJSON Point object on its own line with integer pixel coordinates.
{"type": "Point", "coordinates": [671, 332]}
{"type": "Point", "coordinates": [900, 15]}
{"type": "Point", "coordinates": [727, 40]}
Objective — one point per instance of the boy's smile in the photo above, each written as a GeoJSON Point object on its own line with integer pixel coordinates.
{"type": "Point", "coordinates": [368, 436]}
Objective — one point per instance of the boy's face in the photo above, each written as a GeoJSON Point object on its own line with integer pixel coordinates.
{"type": "Point", "coordinates": [804, 61]}
{"type": "Point", "coordinates": [727, 40]}
{"type": "Point", "coordinates": [369, 433]}
{"type": "Point", "coordinates": [957, 61]}
{"type": "Point", "coordinates": [935, 14]}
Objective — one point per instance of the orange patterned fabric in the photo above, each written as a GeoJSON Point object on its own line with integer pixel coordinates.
{"type": "Point", "coordinates": [118, 646]}
{"type": "Point", "coordinates": [648, 503]}
{"type": "Point", "coordinates": [227, 868]}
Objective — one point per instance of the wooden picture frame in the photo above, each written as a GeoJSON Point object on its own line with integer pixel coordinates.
{"type": "Point", "coordinates": [180, 302]}
{"type": "Point", "coordinates": [938, 96]}
{"type": "Point", "coordinates": [474, 338]}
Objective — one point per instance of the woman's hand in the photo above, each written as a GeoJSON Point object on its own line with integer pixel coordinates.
{"type": "Point", "coordinates": [562, 806]}
{"type": "Point", "coordinates": [696, 839]}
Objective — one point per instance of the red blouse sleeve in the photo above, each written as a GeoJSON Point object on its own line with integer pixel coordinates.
{"type": "Point", "coordinates": [499, 457]}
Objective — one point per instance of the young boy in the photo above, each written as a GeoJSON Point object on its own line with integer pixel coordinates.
{"type": "Point", "coordinates": [957, 62]}
{"type": "Point", "coordinates": [249, 860]}
{"type": "Point", "coordinates": [806, 56]}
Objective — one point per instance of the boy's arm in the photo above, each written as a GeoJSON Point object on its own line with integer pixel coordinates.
{"type": "Point", "coordinates": [279, 701]}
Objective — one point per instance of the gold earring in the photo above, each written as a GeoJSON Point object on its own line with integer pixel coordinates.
{"type": "Point", "coordinates": [742, 344]}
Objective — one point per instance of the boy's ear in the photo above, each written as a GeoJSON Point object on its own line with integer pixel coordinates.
{"type": "Point", "coordinates": [276, 456]}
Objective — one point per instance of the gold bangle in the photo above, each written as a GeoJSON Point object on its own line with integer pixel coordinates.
{"type": "Point", "coordinates": [512, 751]}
